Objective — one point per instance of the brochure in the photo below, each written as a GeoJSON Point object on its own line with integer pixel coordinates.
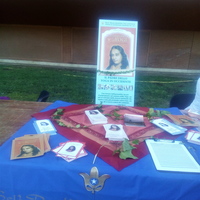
{"type": "Point", "coordinates": [171, 128]}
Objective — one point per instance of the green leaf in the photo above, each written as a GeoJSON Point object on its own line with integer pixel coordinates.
{"type": "Point", "coordinates": [164, 112]}
{"type": "Point", "coordinates": [126, 146]}
{"type": "Point", "coordinates": [116, 114]}
{"type": "Point", "coordinates": [61, 124]}
{"type": "Point", "coordinates": [78, 126]}
{"type": "Point", "coordinates": [158, 113]}
{"type": "Point", "coordinates": [135, 141]}
{"type": "Point", "coordinates": [116, 151]}
{"type": "Point", "coordinates": [127, 154]}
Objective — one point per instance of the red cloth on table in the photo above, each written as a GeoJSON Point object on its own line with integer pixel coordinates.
{"type": "Point", "coordinates": [94, 135]}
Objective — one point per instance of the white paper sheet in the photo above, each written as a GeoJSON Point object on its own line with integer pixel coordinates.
{"type": "Point", "coordinates": [172, 156]}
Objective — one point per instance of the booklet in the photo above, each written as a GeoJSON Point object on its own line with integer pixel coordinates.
{"type": "Point", "coordinates": [170, 155]}
{"type": "Point", "coordinates": [29, 146]}
{"type": "Point", "coordinates": [44, 126]}
{"type": "Point", "coordinates": [96, 117]}
{"type": "Point", "coordinates": [184, 120]}
{"type": "Point", "coordinates": [134, 120]}
{"type": "Point", "coordinates": [171, 128]}
{"type": "Point", "coordinates": [115, 132]}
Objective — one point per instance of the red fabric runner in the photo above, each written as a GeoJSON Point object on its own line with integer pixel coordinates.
{"type": "Point", "coordinates": [94, 136]}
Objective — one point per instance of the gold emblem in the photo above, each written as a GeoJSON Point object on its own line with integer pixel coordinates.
{"type": "Point", "coordinates": [93, 182]}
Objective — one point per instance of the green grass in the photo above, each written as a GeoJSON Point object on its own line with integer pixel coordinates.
{"type": "Point", "coordinates": [25, 83]}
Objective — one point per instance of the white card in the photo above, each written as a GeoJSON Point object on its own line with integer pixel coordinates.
{"type": "Point", "coordinates": [96, 117]}
{"type": "Point", "coordinates": [44, 126]}
{"type": "Point", "coordinates": [115, 132]}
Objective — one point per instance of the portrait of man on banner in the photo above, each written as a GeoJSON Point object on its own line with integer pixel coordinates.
{"type": "Point", "coordinates": [117, 53]}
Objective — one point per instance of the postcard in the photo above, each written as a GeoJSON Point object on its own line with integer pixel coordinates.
{"type": "Point", "coordinates": [70, 150]}
{"type": "Point", "coordinates": [82, 154]}
{"type": "Point", "coordinates": [115, 132]}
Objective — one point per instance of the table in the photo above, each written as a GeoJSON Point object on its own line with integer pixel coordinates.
{"type": "Point", "coordinates": [51, 178]}
{"type": "Point", "coordinates": [14, 114]}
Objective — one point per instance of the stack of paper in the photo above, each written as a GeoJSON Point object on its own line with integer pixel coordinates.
{"type": "Point", "coordinates": [30, 146]}
{"type": "Point", "coordinates": [172, 156]}
{"type": "Point", "coordinates": [193, 137]}
{"type": "Point", "coordinates": [70, 150]}
{"type": "Point", "coordinates": [115, 132]}
{"type": "Point", "coordinates": [44, 126]}
{"type": "Point", "coordinates": [96, 117]}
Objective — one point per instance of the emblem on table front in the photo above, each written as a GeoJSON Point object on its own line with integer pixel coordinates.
{"type": "Point", "coordinates": [93, 182]}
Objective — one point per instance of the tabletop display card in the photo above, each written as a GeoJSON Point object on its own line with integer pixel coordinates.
{"type": "Point", "coordinates": [115, 132]}
{"type": "Point", "coordinates": [44, 126]}
{"type": "Point", "coordinates": [171, 128]}
{"type": "Point", "coordinates": [172, 156]}
{"type": "Point", "coordinates": [96, 117]}
{"type": "Point", "coordinates": [29, 146]}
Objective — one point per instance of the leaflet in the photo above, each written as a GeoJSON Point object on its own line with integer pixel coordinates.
{"type": "Point", "coordinates": [171, 128]}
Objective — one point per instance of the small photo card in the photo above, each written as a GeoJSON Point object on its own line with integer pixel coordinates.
{"type": "Point", "coordinates": [96, 117]}
{"type": "Point", "coordinates": [44, 126]}
{"type": "Point", "coordinates": [70, 150]}
{"type": "Point", "coordinates": [68, 159]}
{"type": "Point", "coordinates": [115, 132]}
{"type": "Point", "coordinates": [193, 137]}
{"type": "Point", "coordinates": [134, 120]}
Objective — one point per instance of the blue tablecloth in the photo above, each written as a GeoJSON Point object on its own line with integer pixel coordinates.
{"type": "Point", "coordinates": [51, 178]}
